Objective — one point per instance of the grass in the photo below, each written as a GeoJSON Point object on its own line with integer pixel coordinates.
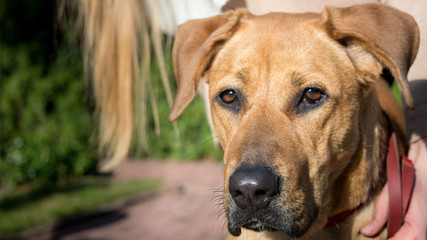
{"type": "Point", "coordinates": [24, 209]}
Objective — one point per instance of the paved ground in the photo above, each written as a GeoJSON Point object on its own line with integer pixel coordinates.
{"type": "Point", "coordinates": [190, 210]}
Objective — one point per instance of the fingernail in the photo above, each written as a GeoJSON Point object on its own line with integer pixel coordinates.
{"type": "Point", "coordinates": [367, 229]}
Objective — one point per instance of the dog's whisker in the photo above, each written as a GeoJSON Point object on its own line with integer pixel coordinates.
{"type": "Point", "coordinates": [199, 146]}
{"type": "Point", "coordinates": [215, 207]}
{"type": "Point", "coordinates": [208, 140]}
{"type": "Point", "coordinates": [218, 191]}
{"type": "Point", "coordinates": [221, 215]}
{"type": "Point", "coordinates": [216, 202]}
{"type": "Point", "coordinates": [224, 225]}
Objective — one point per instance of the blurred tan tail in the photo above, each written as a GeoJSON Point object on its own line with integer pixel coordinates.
{"type": "Point", "coordinates": [117, 55]}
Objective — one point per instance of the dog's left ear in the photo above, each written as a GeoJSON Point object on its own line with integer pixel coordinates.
{"type": "Point", "coordinates": [196, 44]}
{"type": "Point", "coordinates": [390, 35]}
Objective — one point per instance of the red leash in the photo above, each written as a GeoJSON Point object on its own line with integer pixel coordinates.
{"type": "Point", "coordinates": [401, 180]}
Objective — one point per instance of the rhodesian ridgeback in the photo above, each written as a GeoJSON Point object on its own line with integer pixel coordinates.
{"type": "Point", "coordinates": [301, 107]}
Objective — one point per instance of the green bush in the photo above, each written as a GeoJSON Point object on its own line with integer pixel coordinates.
{"type": "Point", "coordinates": [46, 127]}
{"type": "Point", "coordinates": [47, 131]}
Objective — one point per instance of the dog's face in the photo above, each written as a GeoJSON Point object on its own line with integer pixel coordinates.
{"type": "Point", "coordinates": [279, 103]}
{"type": "Point", "coordinates": [287, 94]}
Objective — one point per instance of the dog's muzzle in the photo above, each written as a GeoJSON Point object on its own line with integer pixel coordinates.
{"type": "Point", "coordinates": [255, 203]}
{"type": "Point", "coordinates": [252, 189]}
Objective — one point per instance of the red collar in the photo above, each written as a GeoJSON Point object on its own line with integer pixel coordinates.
{"type": "Point", "coordinates": [341, 217]}
{"type": "Point", "coordinates": [401, 184]}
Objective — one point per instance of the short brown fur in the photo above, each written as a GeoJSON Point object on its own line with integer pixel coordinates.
{"type": "Point", "coordinates": [330, 156]}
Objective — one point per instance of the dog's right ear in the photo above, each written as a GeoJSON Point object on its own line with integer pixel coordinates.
{"type": "Point", "coordinates": [196, 44]}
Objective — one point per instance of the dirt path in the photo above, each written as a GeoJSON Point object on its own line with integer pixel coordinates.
{"type": "Point", "coordinates": [188, 211]}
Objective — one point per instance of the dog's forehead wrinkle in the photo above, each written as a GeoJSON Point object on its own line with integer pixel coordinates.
{"type": "Point", "coordinates": [296, 79]}
{"type": "Point", "coordinates": [257, 66]}
{"type": "Point", "coordinates": [242, 73]}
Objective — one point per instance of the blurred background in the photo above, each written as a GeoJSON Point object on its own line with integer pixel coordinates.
{"type": "Point", "coordinates": [50, 183]}
{"type": "Point", "coordinates": [49, 153]}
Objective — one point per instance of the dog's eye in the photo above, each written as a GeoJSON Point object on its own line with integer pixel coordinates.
{"type": "Point", "coordinates": [228, 96]}
{"type": "Point", "coordinates": [229, 99]}
{"type": "Point", "coordinates": [312, 96]}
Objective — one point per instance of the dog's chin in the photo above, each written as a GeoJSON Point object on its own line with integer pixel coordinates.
{"type": "Point", "coordinates": [271, 220]}
{"type": "Point", "coordinates": [258, 226]}
{"type": "Point", "coordinates": [254, 225]}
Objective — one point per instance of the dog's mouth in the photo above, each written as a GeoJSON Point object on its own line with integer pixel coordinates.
{"type": "Point", "coordinates": [259, 226]}
{"type": "Point", "coordinates": [254, 225]}
{"type": "Point", "coordinates": [271, 219]}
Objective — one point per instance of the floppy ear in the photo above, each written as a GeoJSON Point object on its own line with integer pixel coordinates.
{"type": "Point", "coordinates": [196, 44]}
{"type": "Point", "coordinates": [390, 35]}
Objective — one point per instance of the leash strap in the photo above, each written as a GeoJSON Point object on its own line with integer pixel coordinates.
{"type": "Point", "coordinates": [408, 181]}
{"type": "Point", "coordinates": [400, 184]}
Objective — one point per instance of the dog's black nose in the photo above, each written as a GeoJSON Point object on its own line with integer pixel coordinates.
{"type": "Point", "coordinates": [253, 187]}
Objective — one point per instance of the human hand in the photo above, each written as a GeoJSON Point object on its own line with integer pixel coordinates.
{"type": "Point", "coordinates": [415, 226]}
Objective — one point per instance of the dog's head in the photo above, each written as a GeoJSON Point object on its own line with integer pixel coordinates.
{"type": "Point", "coordinates": [289, 97]}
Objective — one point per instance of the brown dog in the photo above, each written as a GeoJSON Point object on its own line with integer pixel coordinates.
{"type": "Point", "coordinates": [297, 103]}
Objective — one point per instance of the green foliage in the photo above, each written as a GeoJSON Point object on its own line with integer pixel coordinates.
{"type": "Point", "coordinates": [46, 126]}
{"type": "Point", "coordinates": [24, 209]}
{"type": "Point", "coordinates": [47, 132]}
{"type": "Point", "coordinates": [194, 140]}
